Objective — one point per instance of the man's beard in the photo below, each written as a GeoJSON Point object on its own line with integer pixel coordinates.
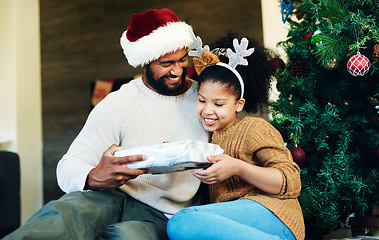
{"type": "Point", "coordinates": [160, 85]}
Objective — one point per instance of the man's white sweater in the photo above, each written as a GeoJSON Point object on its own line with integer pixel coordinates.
{"type": "Point", "coordinates": [131, 117]}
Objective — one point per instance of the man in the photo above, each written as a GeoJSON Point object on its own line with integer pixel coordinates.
{"type": "Point", "coordinates": [105, 199]}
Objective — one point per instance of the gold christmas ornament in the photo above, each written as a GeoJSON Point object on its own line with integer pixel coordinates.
{"type": "Point", "coordinates": [331, 64]}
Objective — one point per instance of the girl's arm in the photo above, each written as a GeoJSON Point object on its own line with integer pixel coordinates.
{"type": "Point", "coordinates": [269, 180]}
{"type": "Point", "coordinates": [274, 171]}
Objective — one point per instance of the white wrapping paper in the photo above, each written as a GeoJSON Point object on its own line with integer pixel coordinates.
{"type": "Point", "coordinates": [173, 156]}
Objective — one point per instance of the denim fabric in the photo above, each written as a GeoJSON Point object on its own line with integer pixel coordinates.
{"type": "Point", "coordinates": [237, 220]}
{"type": "Point", "coordinates": [105, 214]}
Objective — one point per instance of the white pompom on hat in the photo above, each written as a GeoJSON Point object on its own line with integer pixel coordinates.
{"type": "Point", "coordinates": [153, 34]}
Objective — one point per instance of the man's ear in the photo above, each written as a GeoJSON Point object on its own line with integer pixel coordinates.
{"type": "Point", "coordinates": [240, 104]}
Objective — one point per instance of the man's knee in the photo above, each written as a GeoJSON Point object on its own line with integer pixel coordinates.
{"type": "Point", "coordinates": [135, 230]}
{"type": "Point", "coordinates": [91, 201]}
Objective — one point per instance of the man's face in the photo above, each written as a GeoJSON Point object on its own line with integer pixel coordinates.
{"type": "Point", "coordinates": [167, 74]}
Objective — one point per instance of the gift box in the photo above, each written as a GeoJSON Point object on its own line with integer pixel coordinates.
{"type": "Point", "coordinates": [173, 156]}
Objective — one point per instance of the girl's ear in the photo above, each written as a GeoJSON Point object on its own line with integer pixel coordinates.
{"type": "Point", "coordinates": [240, 104]}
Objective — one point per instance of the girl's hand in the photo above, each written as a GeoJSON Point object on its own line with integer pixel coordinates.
{"type": "Point", "coordinates": [267, 179]}
{"type": "Point", "coordinates": [223, 167]}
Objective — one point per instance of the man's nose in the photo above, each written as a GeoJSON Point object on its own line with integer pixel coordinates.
{"type": "Point", "coordinates": [176, 69]}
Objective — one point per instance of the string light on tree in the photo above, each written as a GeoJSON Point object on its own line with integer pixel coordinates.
{"type": "Point", "coordinates": [331, 64]}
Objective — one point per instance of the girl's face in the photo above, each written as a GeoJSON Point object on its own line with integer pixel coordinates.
{"type": "Point", "coordinates": [216, 107]}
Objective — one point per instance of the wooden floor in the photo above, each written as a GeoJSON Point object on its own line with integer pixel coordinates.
{"type": "Point", "coordinates": [343, 233]}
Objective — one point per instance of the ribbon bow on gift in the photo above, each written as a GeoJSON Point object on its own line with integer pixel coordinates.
{"type": "Point", "coordinates": [208, 58]}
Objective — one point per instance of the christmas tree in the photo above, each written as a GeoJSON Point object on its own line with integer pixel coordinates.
{"type": "Point", "coordinates": [326, 110]}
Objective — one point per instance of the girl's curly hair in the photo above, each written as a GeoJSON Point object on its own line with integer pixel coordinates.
{"type": "Point", "coordinates": [256, 75]}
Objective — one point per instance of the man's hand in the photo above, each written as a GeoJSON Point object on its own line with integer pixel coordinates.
{"type": "Point", "coordinates": [111, 171]}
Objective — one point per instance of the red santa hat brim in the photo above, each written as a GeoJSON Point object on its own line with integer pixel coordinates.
{"type": "Point", "coordinates": [167, 38]}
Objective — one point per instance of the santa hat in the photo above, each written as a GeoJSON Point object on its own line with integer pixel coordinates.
{"type": "Point", "coordinates": [153, 34]}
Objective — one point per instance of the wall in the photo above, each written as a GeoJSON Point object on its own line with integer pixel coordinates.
{"type": "Point", "coordinates": [274, 31]}
{"type": "Point", "coordinates": [20, 98]}
{"type": "Point", "coordinates": [8, 132]}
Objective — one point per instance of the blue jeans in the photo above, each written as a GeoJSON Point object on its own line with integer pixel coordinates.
{"type": "Point", "coordinates": [240, 219]}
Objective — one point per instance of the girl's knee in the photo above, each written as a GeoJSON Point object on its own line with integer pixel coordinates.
{"type": "Point", "coordinates": [179, 225]}
{"type": "Point", "coordinates": [183, 216]}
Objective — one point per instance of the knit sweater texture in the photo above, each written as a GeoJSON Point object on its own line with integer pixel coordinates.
{"type": "Point", "coordinates": [131, 117]}
{"type": "Point", "coordinates": [257, 142]}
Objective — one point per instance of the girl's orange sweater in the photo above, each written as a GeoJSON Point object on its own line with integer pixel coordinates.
{"type": "Point", "coordinates": [257, 142]}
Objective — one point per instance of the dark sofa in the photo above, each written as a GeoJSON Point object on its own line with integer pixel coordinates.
{"type": "Point", "coordinates": [10, 210]}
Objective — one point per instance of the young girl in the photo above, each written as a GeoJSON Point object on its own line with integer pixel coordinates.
{"type": "Point", "coordinates": [254, 185]}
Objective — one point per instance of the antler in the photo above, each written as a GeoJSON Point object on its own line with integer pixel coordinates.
{"type": "Point", "coordinates": [237, 58]}
{"type": "Point", "coordinates": [198, 43]}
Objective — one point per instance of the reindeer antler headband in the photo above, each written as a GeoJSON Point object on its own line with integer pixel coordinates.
{"type": "Point", "coordinates": [203, 57]}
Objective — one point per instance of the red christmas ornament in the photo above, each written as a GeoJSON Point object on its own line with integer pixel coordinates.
{"type": "Point", "coordinates": [298, 155]}
{"type": "Point", "coordinates": [307, 36]}
{"type": "Point", "coordinates": [358, 65]}
{"type": "Point", "coordinates": [277, 64]}
{"type": "Point", "coordinates": [299, 14]}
